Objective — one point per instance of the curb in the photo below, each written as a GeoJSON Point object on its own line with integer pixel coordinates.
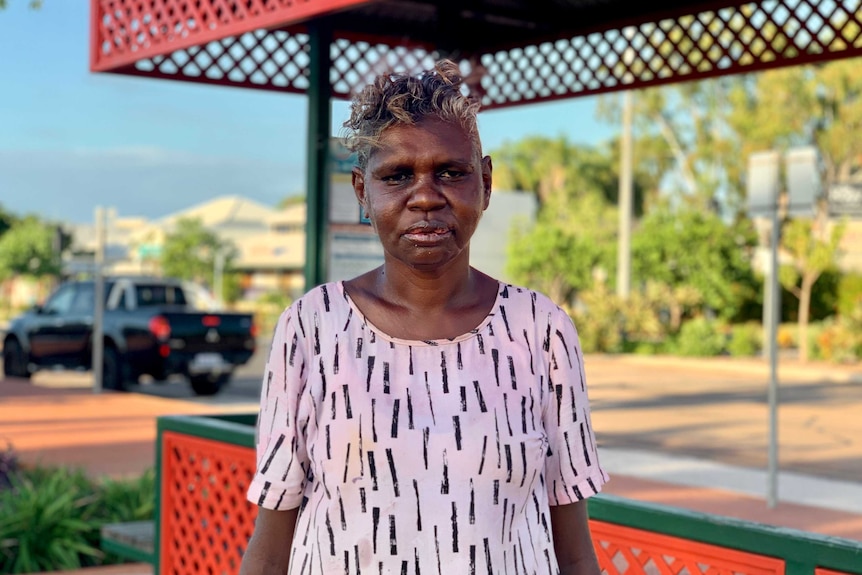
{"type": "Point", "coordinates": [786, 370]}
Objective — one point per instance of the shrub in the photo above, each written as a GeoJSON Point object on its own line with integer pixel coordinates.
{"type": "Point", "coordinates": [849, 293]}
{"type": "Point", "coordinates": [43, 525]}
{"type": "Point", "coordinates": [745, 340]}
{"type": "Point", "coordinates": [51, 518]}
{"type": "Point", "coordinates": [700, 337]}
{"type": "Point", "coordinates": [8, 466]}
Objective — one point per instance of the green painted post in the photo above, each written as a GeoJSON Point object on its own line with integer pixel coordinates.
{"type": "Point", "coordinates": [317, 181]}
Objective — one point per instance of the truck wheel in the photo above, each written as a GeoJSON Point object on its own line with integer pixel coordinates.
{"type": "Point", "coordinates": [208, 383]}
{"type": "Point", "coordinates": [112, 370]}
{"type": "Point", "coordinates": [15, 360]}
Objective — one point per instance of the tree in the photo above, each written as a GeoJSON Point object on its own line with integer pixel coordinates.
{"type": "Point", "coordinates": [813, 246]}
{"type": "Point", "coordinates": [190, 252]}
{"type": "Point", "coordinates": [576, 226]}
{"type": "Point", "coordinates": [28, 249]}
{"type": "Point", "coordinates": [695, 252]}
{"type": "Point", "coordinates": [819, 106]}
{"type": "Point", "coordinates": [7, 220]}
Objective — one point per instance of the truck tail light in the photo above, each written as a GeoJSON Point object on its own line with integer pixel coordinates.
{"type": "Point", "coordinates": [211, 320]}
{"type": "Point", "coordinates": [164, 350]}
{"type": "Point", "coordinates": [253, 330]}
{"type": "Point", "coordinates": [160, 327]}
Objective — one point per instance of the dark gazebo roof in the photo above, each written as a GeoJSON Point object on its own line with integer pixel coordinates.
{"type": "Point", "coordinates": [514, 51]}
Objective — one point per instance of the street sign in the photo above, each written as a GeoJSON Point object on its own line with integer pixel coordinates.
{"type": "Point", "coordinates": [803, 180]}
{"type": "Point", "coordinates": [845, 200]}
{"type": "Point", "coordinates": [762, 180]}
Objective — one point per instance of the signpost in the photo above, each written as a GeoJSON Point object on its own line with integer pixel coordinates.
{"type": "Point", "coordinates": [353, 245]}
{"type": "Point", "coordinates": [803, 190]}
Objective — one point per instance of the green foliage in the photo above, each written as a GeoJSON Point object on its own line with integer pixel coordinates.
{"type": "Point", "coordinates": [746, 340]}
{"type": "Point", "coordinates": [44, 524]}
{"type": "Point", "coordinates": [7, 219]}
{"type": "Point", "coordinates": [697, 250]}
{"type": "Point", "coordinates": [8, 466]}
{"type": "Point", "coordinates": [190, 252]}
{"type": "Point", "coordinates": [27, 248]}
{"type": "Point", "coordinates": [700, 337]}
{"type": "Point", "coordinates": [849, 293]}
{"type": "Point", "coordinates": [51, 518]}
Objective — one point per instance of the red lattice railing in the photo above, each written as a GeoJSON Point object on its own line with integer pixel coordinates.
{"type": "Point", "coordinates": [255, 45]}
{"type": "Point", "coordinates": [623, 550]}
{"type": "Point", "coordinates": [206, 520]}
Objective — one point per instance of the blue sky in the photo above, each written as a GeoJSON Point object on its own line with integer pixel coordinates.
{"type": "Point", "coordinates": [71, 139]}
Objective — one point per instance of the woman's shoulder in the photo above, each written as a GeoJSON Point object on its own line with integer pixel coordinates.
{"type": "Point", "coordinates": [326, 298]}
{"type": "Point", "coordinates": [514, 295]}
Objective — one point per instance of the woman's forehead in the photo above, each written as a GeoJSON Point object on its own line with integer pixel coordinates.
{"type": "Point", "coordinates": [409, 139]}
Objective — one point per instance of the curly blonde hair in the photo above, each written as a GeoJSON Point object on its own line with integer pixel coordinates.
{"type": "Point", "coordinates": [393, 99]}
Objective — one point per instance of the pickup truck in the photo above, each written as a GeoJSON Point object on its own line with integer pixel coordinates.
{"type": "Point", "coordinates": [150, 327]}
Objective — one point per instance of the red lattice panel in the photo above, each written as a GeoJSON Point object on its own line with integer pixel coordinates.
{"type": "Point", "coordinates": [236, 43]}
{"type": "Point", "coordinates": [821, 571]}
{"type": "Point", "coordinates": [627, 551]}
{"type": "Point", "coordinates": [736, 39]}
{"type": "Point", "coordinates": [206, 520]}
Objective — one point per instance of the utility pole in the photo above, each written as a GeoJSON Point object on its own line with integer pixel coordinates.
{"type": "Point", "coordinates": [624, 256]}
{"type": "Point", "coordinates": [98, 341]}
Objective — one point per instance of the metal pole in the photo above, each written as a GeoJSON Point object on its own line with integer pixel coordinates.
{"type": "Point", "coordinates": [218, 273]}
{"type": "Point", "coordinates": [97, 342]}
{"type": "Point", "coordinates": [319, 120]}
{"type": "Point", "coordinates": [624, 257]}
{"type": "Point", "coordinates": [774, 315]}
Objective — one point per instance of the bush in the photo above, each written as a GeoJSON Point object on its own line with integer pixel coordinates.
{"type": "Point", "coordinates": [746, 340]}
{"type": "Point", "coordinates": [700, 337]}
{"type": "Point", "coordinates": [8, 467]}
{"type": "Point", "coordinates": [51, 518]}
{"type": "Point", "coordinates": [849, 293]}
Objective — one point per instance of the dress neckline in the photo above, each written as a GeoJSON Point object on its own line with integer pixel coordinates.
{"type": "Point", "coordinates": [423, 342]}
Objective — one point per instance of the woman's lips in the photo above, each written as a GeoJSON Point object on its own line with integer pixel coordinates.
{"type": "Point", "coordinates": [427, 232]}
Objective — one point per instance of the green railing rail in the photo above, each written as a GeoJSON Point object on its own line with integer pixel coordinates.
{"type": "Point", "coordinates": [802, 552]}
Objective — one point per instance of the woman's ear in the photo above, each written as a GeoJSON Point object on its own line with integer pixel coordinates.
{"type": "Point", "coordinates": [358, 180]}
{"type": "Point", "coordinates": [487, 169]}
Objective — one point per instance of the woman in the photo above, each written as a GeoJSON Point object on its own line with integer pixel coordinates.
{"type": "Point", "coordinates": [423, 416]}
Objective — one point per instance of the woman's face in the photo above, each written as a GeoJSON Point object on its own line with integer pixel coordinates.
{"type": "Point", "coordinates": [425, 189]}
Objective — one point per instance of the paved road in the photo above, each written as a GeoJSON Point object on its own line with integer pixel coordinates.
{"type": "Point", "coordinates": [714, 410]}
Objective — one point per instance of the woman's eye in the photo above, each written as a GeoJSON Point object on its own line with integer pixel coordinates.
{"type": "Point", "coordinates": [395, 178]}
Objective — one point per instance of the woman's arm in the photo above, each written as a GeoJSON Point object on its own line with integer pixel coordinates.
{"type": "Point", "coordinates": [268, 551]}
{"type": "Point", "coordinates": [572, 541]}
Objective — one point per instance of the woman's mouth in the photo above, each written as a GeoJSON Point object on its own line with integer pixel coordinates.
{"type": "Point", "coordinates": [426, 233]}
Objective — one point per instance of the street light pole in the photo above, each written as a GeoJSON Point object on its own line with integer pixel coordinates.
{"type": "Point", "coordinates": [624, 257]}
{"type": "Point", "coordinates": [97, 342]}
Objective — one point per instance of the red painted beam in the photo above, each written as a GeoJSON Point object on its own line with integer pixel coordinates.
{"type": "Point", "coordinates": [123, 32]}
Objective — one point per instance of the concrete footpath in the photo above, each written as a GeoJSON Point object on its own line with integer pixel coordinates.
{"type": "Point", "coordinates": [686, 433]}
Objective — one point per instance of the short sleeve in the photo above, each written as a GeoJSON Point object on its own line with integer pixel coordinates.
{"type": "Point", "coordinates": [572, 470]}
{"type": "Point", "coordinates": [282, 460]}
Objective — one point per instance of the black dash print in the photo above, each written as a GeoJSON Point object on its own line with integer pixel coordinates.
{"type": "Point", "coordinates": [456, 422]}
{"type": "Point", "coordinates": [348, 411]}
{"type": "Point", "coordinates": [375, 525]}
{"type": "Point", "coordinates": [370, 371]}
{"type": "Point", "coordinates": [392, 471]}
{"type": "Point", "coordinates": [410, 352]}
{"type": "Point", "coordinates": [495, 356]}
{"type": "Point", "coordinates": [454, 527]}
{"type": "Point", "coordinates": [512, 375]}
{"type": "Point", "coordinates": [409, 410]}
{"type": "Point", "coordinates": [506, 322]}
{"type": "Point", "coordinates": [335, 360]}
{"type": "Point", "coordinates": [359, 341]}
{"type": "Point", "coordinates": [269, 382]}
{"type": "Point", "coordinates": [444, 484]}
{"type": "Point", "coordinates": [316, 334]}
{"type": "Point", "coordinates": [418, 506]}
{"type": "Point", "coordinates": [529, 349]}
{"type": "Point", "coordinates": [484, 449]}
{"type": "Point", "coordinates": [460, 361]}
{"type": "Point", "coordinates": [278, 444]}
{"type": "Point", "coordinates": [565, 347]}
{"type": "Point", "coordinates": [325, 297]}
{"type": "Point", "coordinates": [372, 469]}
{"type": "Point", "coordinates": [481, 343]}
{"type": "Point", "coordinates": [385, 377]}
{"type": "Point", "coordinates": [294, 342]}
{"type": "Point", "coordinates": [584, 444]}
{"type": "Point", "coordinates": [445, 373]}
{"type": "Point", "coordinates": [481, 399]}
{"type": "Point", "coordinates": [393, 542]}
{"type": "Point", "coordinates": [463, 399]}
{"type": "Point", "coordinates": [396, 407]}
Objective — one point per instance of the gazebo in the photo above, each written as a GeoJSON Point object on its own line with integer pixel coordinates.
{"type": "Point", "coordinates": [513, 52]}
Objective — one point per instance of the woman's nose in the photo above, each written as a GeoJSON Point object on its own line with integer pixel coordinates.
{"type": "Point", "coordinates": [426, 194]}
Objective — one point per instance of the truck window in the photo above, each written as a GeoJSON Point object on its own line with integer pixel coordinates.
{"type": "Point", "coordinates": [83, 301]}
{"type": "Point", "coordinates": [61, 301]}
{"type": "Point", "coordinates": [153, 295]}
